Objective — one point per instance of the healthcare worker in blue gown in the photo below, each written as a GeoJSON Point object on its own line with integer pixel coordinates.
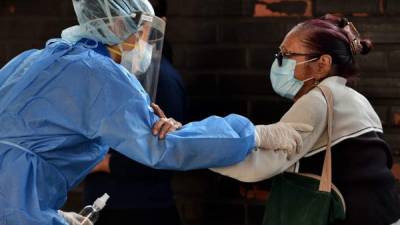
{"type": "Point", "coordinates": [63, 107]}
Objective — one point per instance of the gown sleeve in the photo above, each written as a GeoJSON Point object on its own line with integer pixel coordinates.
{"type": "Point", "coordinates": [121, 117]}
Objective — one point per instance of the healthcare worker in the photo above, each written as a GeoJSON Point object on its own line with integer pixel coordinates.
{"type": "Point", "coordinates": [139, 191]}
{"type": "Point", "coordinates": [63, 107]}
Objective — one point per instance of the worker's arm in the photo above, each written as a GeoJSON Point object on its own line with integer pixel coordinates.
{"type": "Point", "coordinates": [127, 128]}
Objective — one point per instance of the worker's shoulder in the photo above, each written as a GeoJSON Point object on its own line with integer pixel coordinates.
{"type": "Point", "coordinates": [86, 57]}
{"type": "Point", "coordinates": [89, 61]}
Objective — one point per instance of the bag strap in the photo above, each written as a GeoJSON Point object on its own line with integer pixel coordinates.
{"type": "Point", "coordinates": [325, 184]}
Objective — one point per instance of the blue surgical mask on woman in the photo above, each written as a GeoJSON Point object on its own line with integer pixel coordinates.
{"type": "Point", "coordinates": [283, 80]}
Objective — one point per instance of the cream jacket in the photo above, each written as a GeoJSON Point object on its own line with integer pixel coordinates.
{"type": "Point", "coordinates": [353, 116]}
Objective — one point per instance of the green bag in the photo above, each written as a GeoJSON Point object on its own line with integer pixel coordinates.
{"type": "Point", "coordinates": [307, 199]}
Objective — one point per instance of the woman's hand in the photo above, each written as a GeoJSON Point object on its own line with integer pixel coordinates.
{"type": "Point", "coordinates": [164, 125]}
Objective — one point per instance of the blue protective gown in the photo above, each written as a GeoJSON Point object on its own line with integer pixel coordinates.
{"type": "Point", "coordinates": [63, 107]}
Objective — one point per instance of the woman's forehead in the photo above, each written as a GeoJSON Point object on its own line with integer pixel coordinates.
{"type": "Point", "coordinates": [293, 43]}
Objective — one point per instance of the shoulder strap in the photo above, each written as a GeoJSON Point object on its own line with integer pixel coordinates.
{"type": "Point", "coordinates": [326, 177]}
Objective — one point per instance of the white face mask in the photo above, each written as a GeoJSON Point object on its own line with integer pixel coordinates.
{"type": "Point", "coordinates": [137, 60]}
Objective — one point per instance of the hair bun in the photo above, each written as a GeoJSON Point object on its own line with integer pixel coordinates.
{"type": "Point", "coordinates": [366, 46]}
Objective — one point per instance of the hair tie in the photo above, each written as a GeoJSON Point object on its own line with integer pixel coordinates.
{"type": "Point", "coordinates": [354, 37]}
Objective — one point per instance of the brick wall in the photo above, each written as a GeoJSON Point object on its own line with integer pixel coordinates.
{"type": "Point", "coordinates": [224, 49]}
{"type": "Point", "coordinates": [225, 55]}
{"type": "Point", "coordinates": [28, 24]}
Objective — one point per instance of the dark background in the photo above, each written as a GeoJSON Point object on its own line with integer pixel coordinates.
{"type": "Point", "coordinates": [224, 49]}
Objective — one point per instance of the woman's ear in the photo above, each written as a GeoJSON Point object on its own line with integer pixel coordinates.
{"type": "Point", "coordinates": [324, 66]}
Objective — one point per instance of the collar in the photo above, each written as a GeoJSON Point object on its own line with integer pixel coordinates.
{"type": "Point", "coordinates": [95, 46]}
{"type": "Point", "coordinates": [334, 80]}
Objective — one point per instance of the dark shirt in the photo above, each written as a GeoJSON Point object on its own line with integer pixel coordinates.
{"type": "Point", "coordinates": [361, 171]}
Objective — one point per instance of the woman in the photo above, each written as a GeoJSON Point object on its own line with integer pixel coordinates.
{"type": "Point", "coordinates": [322, 52]}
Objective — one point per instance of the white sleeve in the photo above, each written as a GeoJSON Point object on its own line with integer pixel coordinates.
{"type": "Point", "coordinates": [259, 165]}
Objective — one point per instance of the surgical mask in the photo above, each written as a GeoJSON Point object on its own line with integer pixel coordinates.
{"type": "Point", "coordinates": [137, 60]}
{"type": "Point", "coordinates": [283, 80]}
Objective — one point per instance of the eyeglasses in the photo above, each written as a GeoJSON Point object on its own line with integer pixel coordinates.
{"type": "Point", "coordinates": [280, 55]}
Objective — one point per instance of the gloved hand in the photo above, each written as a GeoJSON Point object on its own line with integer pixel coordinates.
{"type": "Point", "coordinates": [281, 136]}
{"type": "Point", "coordinates": [74, 218]}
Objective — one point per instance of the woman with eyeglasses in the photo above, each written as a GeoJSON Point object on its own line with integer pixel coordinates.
{"type": "Point", "coordinates": [322, 52]}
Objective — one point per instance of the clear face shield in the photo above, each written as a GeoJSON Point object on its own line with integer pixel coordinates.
{"type": "Point", "coordinates": [141, 38]}
{"type": "Point", "coordinates": [142, 51]}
